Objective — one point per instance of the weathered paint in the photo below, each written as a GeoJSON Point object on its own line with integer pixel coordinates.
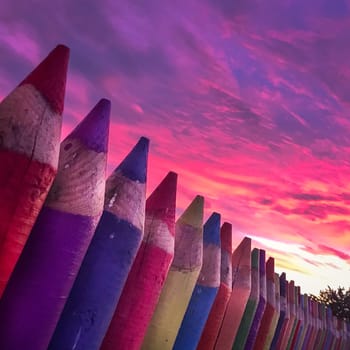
{"type": "Point", "coordinates": [206, 288]}
{"type": "Point", "coordinates": [217, 312]}
{"type": "Point", "coordinates": [241, 286]}
{"type": "Point", "coordinates": [283, 286]}
{"type": "Point", "coordinates": [265, 324]}
{"type": "Point", "coordinates": [292, 317]}
{"type": "Point", "coordinates": [252, 304]}
{"type": "Point", "coordinates": [276, 314]}
{"type": "Point", "coordinates": [56, 246]}
{"type": "Point", "coordinates": [110, 255]}
{"type": "Point", "coordinates": [148, 273]}
{"type": "Point", "coordinates": [30, 128]}
{"type": "Point", "coordinates": [299, 319]}
{"type": "Point", "coordinates": [253, 332]}
{"type": "Point", "coordinates": [181, 279]}
{"type": "Point", "coordinates": [286, 320]}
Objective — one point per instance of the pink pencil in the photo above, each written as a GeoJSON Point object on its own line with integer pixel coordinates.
{"type": "Point", "coordinates": [241, 285]}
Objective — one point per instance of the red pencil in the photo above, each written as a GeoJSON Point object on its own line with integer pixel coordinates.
{"type": "Point", "coordinates": [30, 128]}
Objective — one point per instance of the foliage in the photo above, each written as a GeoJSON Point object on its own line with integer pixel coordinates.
{"type": "Point", "coordinates": [337, 299]}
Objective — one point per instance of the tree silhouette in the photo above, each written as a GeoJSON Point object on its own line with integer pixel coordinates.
{"type": "Point", "coordinates": [337, 299]}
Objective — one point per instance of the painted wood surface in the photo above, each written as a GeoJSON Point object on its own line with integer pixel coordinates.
{"type": "Point", "coordinates": [309, 324]}
{"type": "Point", "coordinates": [283, 285]}
{"type": "Point", "coordinates": [285, 321]}
{"type": "Point", "coordinates": [276, 314]}
{"type": "Point", "coordinates": [329, 334]}
{"type": "Point", "coordinates": [30, 128]}
{"type": "Point", "coordinates": [206, 288]}
{"type": "Point", "coordinates": [290, 328]}
{"type": "Point", "coordinates": [181, 279]}
{"type": "Point", "coordinates": [54, 251]}
{"type": "Point", "coordinates": [217, 312]}
{"type": "Point", "coordinates": [269, 312]}
{"type": "Point", "coordinates": [322, 327]}
{"type": "Point", "coordinates": [299, 320]}
{"type": "Point", "coordinates": [252, 304]}
{"type": "Point", "coordinates": [305, 322]}
{"type": "Point", "coordinates": [241, 286]}
{"type": "Point", "coordinates": [314, 311]}
{"type": "Point", "coordinates": [253, 332]}
{"type": "Point", "coordinates": [148, 272]}
{"type": "Point", "coordinates": [108, 260]}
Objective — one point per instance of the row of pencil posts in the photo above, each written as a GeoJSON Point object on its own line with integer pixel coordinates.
{"type": "Point", "coordinates": [88, 263]}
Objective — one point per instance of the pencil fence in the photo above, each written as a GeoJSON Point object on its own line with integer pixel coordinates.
{"type": "Point", "coordinates": [89, 264]}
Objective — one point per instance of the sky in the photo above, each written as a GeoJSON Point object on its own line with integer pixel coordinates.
{"type": "Point", "coordinates": [247, 100]}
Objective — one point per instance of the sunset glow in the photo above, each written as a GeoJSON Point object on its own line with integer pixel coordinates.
{"type": "Point", "coordinates": [248, 101]}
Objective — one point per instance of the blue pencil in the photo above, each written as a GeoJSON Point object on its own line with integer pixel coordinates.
{"type": "Point", "coordinates": [104, 270]}
{"type": "Point", "coordinates": [206, 288]}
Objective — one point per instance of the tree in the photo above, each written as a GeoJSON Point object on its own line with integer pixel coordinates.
{"type": "Point", "coordinates": [337, 299]}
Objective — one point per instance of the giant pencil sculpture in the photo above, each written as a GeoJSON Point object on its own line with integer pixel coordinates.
{"type": "Point", "coordinates": [300, 317]}
{"type": "Point", "coordinates": [148, 272]}
{"type": "Point", "coordinates": [214, 321]}
{"type": "Point", "coordinates": [44, 275]}
{"type": "Point", "coordinates": [304, 323]}
{"type": "Point", "coordinates": [285, 322]}
{"type": "Point", "coordinates": [267, 318]}
{"type": "Point", "coordinates": [181, 279]}
{"type": "Point", "coordinates": [109, 257]}
{"type": "Point", "coordinates": [328, 334]}
{"type": "Point", "coordinates": [283, 310]}
{"type": "Point", "coordinates": [292, 316]}
{"type": "Point", "coordinates": [206, 288]}
{"type": "Point", "coordinates": [241, 286]}
{"type": "Point", "coordinates": [321, 331]}
{"type": "Point", "coordinates": [307, 323]}
{"type": "Point", "coordinates": [261, 304]}
{"type": "Point", "coordinates": [276, 316]}
{"type": "Point", "coordinates": [309, 328]}
{"type": "Point", "coordinates": [30, 128]}
{"type": "Point", "coordinates": [252, 304]}
{"type": "Point", "coordinates": [314, 313]}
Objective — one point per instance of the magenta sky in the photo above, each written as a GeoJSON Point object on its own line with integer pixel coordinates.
{"type": "Point", "coordinates": [248, 100]}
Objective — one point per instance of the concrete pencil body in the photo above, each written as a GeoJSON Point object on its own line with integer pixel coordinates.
{"type": "Point", "coordinates": [30, 128]}
{"type": "Point", "coordinates": [148, 272]}
{"type": "Point", "coordinates": [241, 286]}
{"type": "Point", "coordinates": [109, 257]}
{"type": "Point", "coordinates": [52, 256]}
{"type": "Point", "coordinates": [181, 279]}
{"type": "Point", "coordinates": [206, 288]}
{"type": "Point", "coordinates": [217, 312]}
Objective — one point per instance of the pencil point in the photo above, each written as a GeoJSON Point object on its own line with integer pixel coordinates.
{"type": "Point", "coordinates": [49, 77]}
{"type": "Point", "coordinates": [134, 165]}
{"type": "Point", "coordinates": [93, 130]}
